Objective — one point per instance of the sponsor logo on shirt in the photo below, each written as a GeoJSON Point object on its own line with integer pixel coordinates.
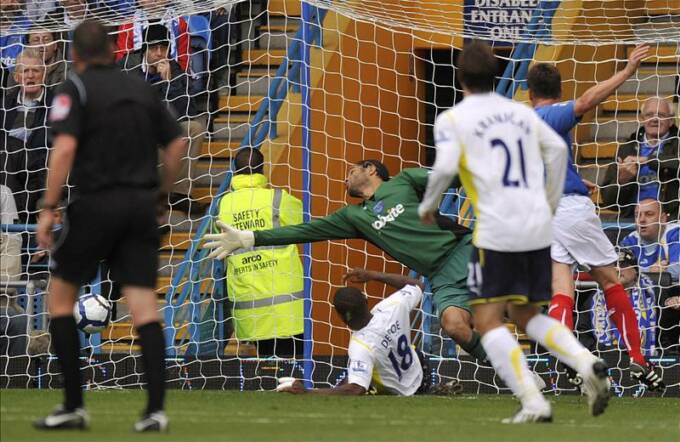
{"type": "Point", "coordinates": [379, 207]}
{"type": "Point", "coordinates": [358, 366]}
{"type": "Point", "coordinates": [392, 214]}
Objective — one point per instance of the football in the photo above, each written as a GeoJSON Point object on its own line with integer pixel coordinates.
{"type": "Point", "coordinates": [92, 313]}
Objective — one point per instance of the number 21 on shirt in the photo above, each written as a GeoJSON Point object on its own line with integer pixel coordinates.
{"type": "Point", "coordinates": [511, 162]}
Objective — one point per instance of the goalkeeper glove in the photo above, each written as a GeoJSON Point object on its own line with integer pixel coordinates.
{"type": "Point", "coordinates": [223, 244]}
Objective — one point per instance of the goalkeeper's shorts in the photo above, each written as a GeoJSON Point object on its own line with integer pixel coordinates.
{"type": "Point", "coordinates": [449, 282]}
{"type": "Point", "coordinates": [118, 226]}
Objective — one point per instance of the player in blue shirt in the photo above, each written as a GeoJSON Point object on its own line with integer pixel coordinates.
{"type": "Point", "coordinates": [578, 238]}
{"type": "Point", "coordinates": [655, 243]}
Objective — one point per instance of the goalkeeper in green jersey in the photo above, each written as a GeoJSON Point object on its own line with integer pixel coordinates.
{"type": "Point", "coordinates": [387, 217]}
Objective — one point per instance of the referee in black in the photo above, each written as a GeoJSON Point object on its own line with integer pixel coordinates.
{"type": "Point", "coordinates": [107, 127]}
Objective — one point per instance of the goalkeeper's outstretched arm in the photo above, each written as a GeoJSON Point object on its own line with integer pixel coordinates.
{"type": "Point", "coordinates": [334, 226]}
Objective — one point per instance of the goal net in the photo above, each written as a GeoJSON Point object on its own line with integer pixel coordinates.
{"type": "Point", "coordinates": [317, 87]}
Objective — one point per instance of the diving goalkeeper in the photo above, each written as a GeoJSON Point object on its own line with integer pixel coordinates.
{"type": "Point", "coordinates": [388, 218]}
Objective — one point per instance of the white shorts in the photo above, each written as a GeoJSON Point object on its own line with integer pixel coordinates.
{"type": "Point", "coordinates": [578, 237]}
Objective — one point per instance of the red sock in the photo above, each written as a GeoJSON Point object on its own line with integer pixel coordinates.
{"type": "Point", "coordinates": [625, 320]}
{"type": "Point", "coordinates": [562, 309]}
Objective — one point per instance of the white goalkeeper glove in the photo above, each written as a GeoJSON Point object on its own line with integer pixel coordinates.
{"type": "Point", "coordinates": [223, 244]}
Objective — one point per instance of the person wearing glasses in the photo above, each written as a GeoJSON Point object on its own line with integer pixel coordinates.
{"type": "Point", "coordinates": [647, 164]}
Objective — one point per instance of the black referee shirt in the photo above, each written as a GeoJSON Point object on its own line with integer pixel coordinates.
{"type": "Point", "coordinates": [119, 122]}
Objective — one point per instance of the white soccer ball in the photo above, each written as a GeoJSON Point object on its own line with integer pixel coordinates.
{"type": "Point", "coordinates": [92, 313]}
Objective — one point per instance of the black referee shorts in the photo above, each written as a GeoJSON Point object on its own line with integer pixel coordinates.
{"type": "Point", "coordinates": [519, 277]}
{"type": "Point", "coordinates": [118, 226]}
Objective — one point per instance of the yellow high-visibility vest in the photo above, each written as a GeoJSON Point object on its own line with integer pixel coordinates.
{"type": "Point", "coordinates": [264, 283]}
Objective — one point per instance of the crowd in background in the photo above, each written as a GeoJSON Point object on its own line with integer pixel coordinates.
{"type": "Point", "coordinates": [34, 59]}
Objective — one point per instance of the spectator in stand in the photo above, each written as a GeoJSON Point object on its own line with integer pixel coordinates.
{"type": "Point", "coordinates": [25, 137]}
{"type": "Point", "coordinates": [656, 242]}
{"type": "Point", "coordinates": [648, 165]}
{"type": "Point", "coordinates": [168, 79]}
{"type": "Point", "coordinates": [165, 74]}
{"type": "Point", "coordinates": [131, 35]}
{"type": "Point", "coordinates": [47, 43]}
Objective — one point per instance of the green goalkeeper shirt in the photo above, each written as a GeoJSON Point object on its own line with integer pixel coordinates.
{"type": "Point", "coordinates": [389, 219]}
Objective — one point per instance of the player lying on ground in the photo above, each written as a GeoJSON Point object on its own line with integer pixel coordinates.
{"type": "Point", "coordinates": [511, 163]}
{"type": "Point", "coordinates": [388, 218]}
{"type": "Point", "coordinates": [379, 353]}
{"type": "Point", "coordinates": [578, 237]}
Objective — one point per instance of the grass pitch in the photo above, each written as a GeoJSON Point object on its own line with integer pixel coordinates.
{"type": "Point", "coordinates": [264, 416]}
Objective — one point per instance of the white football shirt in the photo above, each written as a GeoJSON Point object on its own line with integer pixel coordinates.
{"type": "Point", "coordinates": [512, 166]}
{"type": "Point", "coordinates": [381, 352]}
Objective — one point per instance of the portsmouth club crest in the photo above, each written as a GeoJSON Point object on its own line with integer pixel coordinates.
{"type": "Point", "coordinates": [379, 207]}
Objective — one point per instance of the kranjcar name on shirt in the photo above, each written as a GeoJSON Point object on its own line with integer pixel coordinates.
{"type": "Point", "coordinates": [507, 117]}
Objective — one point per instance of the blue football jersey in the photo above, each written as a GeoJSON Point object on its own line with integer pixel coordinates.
{"type": "Point", "coordinates": [561, 117]}
{"type": "Point", "coordinates": [666, 249]}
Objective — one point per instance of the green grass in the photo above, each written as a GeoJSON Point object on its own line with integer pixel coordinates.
{"type": "Point", "coordinates": [204, 416]}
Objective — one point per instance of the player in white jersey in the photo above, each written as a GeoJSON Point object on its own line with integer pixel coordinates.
{"type": "Point", "coordinates": [512, 166]}
{"type": "Point", "coordinates": [380, 354]}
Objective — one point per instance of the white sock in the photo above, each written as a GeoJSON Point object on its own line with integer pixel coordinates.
{"type": "Point", "coordinates": [508, 360]}
{"type": "Point", "coordinates": [560, 341]}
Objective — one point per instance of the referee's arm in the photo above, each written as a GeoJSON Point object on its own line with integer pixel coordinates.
{"type": "Point", "coordinates": [59, 166]}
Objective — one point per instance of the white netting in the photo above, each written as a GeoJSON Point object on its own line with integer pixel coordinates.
{"type": "Point", "coordinates": [379, 74]}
